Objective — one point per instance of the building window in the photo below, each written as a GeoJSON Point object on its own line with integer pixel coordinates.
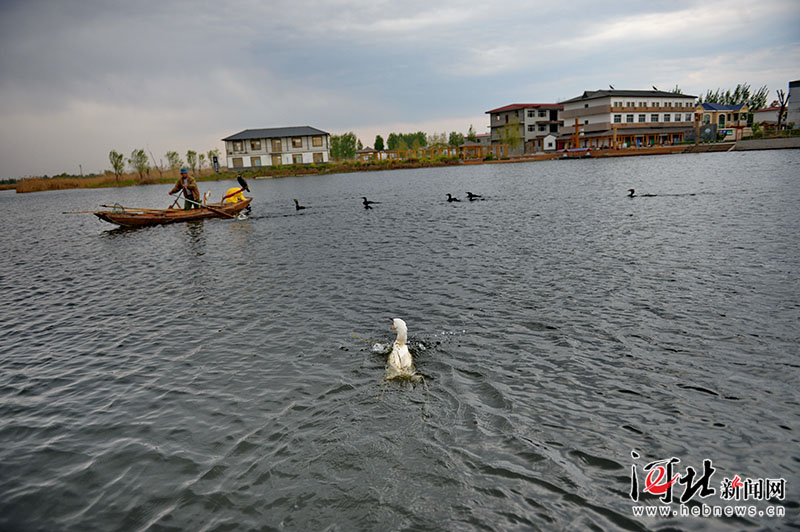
{"type": "Point", "coordinates": [297, 142]}
{"type": "Point", "coordinates": [255, 161]}
{"type": "Point", "coordinates": [688, 117]}
{"type": "Point", "coordinates": [629, 104]}
{"type": "Point", "coordinates": [654, 118]}
{"type": "Point", "coordinates": [297, 158]}
{"type": "Point", "coordinates": [629, 119]}
{"type": "Point", "coordinates": [706, 119]}
{"type": "Point", "coordinates": [542, 127]}
{"type": "Point", "coordinates": [276, 160]}
{"type": "Point", "coordinates": [238, 162]}
{"type": "Point", "coordinates": [316, 142]}
{"type": "Point", "coordinates": [677, 117]}
{"type": "Point", "coordinates": [531, 128]}
{"type": "Point", "coordinates": [238, 146]}
{"type": "Point", "coordinates": [318, 158]}
{"type": "Point", "coordinates": [255, 145]}
{"type": "Point", "coordinates": [586, 106]}
{"type": "Point", "coordinates": [667, 104]}
{"type": "Point", "coordinates": [276, 146]}
{"type": "Point", "coordinates": [642, 104]}
{"type": "Point", "coordinates": [642, 118]}
{"type": "Point", "coordinates": [666, 117]}
{"type": "Point", "coordinates": [617, 119]}
{"type": "Point", "coordinates": [655, 104]}
{"type": "Point", "coordinates": [616, 104]}
{"type": "Point", "coordinates": [542, 114]}
{"type": "Point", "coordinates": [531, 114]}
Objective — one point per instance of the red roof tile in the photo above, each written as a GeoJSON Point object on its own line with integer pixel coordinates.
{"type": "Point", "coordinates": [515, 106]}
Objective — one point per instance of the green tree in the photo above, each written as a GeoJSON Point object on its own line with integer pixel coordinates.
{"type": "Point", "coordinates": [436, 139]}
{"type": "Point", "coordinates": [343, 146]}
{"type": "Point", "coordinates": [391, 141]}
{"type": "Point", "coordinates": [511, 134]}
{"type": "Point", "coordinates": [456, 139]}
{"type": "Point", "coordinates": [117, 163]}
{"type": "Point", "coordinates": [360, 146]}
{"type": "Point", "coordinates": [379, 143]}
{"type": "Point", "coordinates": [408, 140]}
{"type": "Point", "coordinates": [211, 154]}
{"type": "Point", "coordinates": [201, 161]}
{"type": "Point", "coordinates": [471, 134]}
{"type": "Point", "coordinates": [191, 160]}
{"type": "Point", "coordinates": [174, 160]}
{"type": "Point", "coordinates": [138, 162]}
{"type": "Point", "coordinates": [740, 95]}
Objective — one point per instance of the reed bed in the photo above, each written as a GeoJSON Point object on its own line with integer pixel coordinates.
{"type": "Point", "coordinates": [39, 184]}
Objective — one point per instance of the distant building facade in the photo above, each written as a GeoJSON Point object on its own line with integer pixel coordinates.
{"type": "Point", "coordinates": [531, 122]}
{"type": "Point", "coordinates": [483, 139]}
{"type": "Point", "coordinates": [624, 118]}
{"type": "Point", "coordinates": [254, 148]}
{"type": "Point", "coordinates": [767, 116]}
{"type": "Point", "coordinates": [793, 104]}
{"type": "Point", "coordinates": [731, 120]}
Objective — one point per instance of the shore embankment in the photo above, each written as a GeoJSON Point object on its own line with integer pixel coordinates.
{"type": "Point", "coordinates": [37, 184]}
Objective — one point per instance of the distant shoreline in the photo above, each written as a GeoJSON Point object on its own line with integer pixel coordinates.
{"type": "Point", "coordinates": [166, 177]}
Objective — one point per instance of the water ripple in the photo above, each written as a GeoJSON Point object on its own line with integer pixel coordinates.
{"type": "Point", "coordinates": [220, 375]}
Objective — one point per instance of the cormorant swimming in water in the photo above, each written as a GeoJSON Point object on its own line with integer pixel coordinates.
{"type": "Point", "coordinates": [451, 198]}
{"type": "Point", "coordinates": [297, 206]}
{"type": "Point", "coordinates": [367, 202]}
{"type": "Point", "coordinates": [472, 197]}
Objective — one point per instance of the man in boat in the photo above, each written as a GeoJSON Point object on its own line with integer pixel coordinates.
{"type": "Point", "coordinates": [190, 190]}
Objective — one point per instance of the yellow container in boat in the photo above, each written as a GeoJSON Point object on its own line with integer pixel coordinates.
{"type": "Point", "coordinates": [236, 197]}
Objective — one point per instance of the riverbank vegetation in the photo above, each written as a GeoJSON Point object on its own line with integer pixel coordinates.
{"type": "Point", "coordinates": [112, 179]}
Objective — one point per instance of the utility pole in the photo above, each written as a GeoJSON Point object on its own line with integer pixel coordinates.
{"type": "Point", "coordinates": [81, 167]}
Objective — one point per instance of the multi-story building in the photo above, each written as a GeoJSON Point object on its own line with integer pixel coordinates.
{"type": "Point", "coordinates": [619, 118]}
{"type": "Point", "coordinates": [254, 148]}
{"type": "Point", "coordinates": [529, 123]}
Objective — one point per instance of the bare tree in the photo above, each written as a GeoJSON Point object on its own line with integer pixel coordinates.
{"type": "Point", "coordinates": [782, 111]}
{"type": "Point", "coordinates": [157, 165]}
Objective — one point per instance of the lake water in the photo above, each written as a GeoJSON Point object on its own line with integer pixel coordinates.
{"type": "Point", "coordinates": [220, 375]}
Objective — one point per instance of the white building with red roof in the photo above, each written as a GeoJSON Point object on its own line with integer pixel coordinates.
{"type": "Point", "coordinates": [767, 115]}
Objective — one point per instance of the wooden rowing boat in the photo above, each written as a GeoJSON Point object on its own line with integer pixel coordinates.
{"type": "Point", "coordinates": [134, 217]}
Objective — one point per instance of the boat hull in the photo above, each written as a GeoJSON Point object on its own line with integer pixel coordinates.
{"type": "Point", "coordinates": [140, 218]}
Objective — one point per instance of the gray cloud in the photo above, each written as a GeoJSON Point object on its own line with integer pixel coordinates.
{"type": "Point", "coordinates": [78, 78]}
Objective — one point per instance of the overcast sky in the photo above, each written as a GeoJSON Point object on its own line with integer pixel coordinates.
{"type": "Point", "coordinates": [81, 78]}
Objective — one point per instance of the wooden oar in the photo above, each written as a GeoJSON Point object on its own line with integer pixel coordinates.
{"type": "Point", "coordinates": [142, 209]}
{"type": "Point", "coordinates": [176, 200]}
{"type": "Point", "coordinates": [212, 209]}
